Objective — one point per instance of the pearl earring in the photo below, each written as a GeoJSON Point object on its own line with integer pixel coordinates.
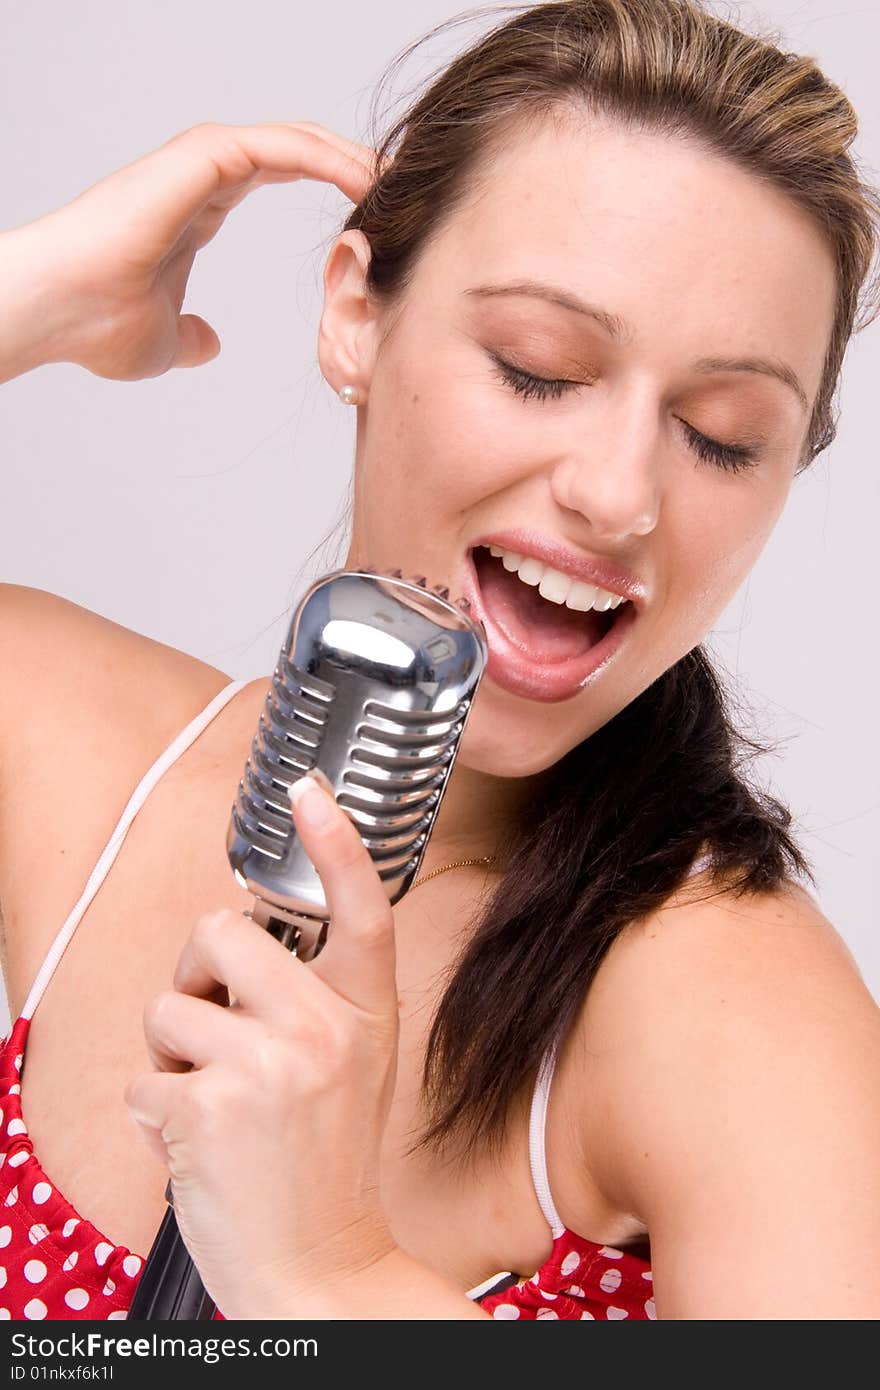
{"type": "Point", "coordinates": [348, 395]}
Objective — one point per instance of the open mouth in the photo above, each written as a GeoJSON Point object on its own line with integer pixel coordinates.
{"type": "Point", "coordinates": [539, 648]}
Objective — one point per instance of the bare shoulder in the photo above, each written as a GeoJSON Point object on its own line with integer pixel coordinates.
{"type": "Point", "coordinates": [709, 945]}
{"type": "Point", "coordinates": [86, 705]}
{"type": "Point", "coordinates": [734, 1049]}
{"type": "Point", "coordinates": [56, 654]}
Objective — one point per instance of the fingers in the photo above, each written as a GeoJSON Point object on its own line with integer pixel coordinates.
{"type": "Point", "coordinates": [197, 343]}
{"type": "Point", "coordinates": [183, 1031]}
{"type": "Point", "coordinates": [151, 1098]}
{"type": "Point", "coordinates": [313, 152]}
{"type": "Point", "coordinates": [226, 948]}
{"type": "Point", "coordinates": [365, 153]}
{"type": "Point", "coordinates": [358, 960]}
{"type": "Point", "coordinates": [217, 165]}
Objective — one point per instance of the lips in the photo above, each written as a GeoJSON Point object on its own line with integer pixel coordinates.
{"type": "Point", "coordinates": [524, 669]}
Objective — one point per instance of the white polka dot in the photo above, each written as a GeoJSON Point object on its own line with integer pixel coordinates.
{"type": "Point", "coordinates": [132, 1264]}
{"type": "Point", "coordinates": [115, 1317]}
{"type": "Point", "coordinates": [611, 1253]}
{"type": "Point", "coordinates": [41, 1193]}
{"type": "Point", "coordinates": [11, 1197]}
{"type": "Point", "coordinates": [547, 1313]}
{"type": "Point", "coordinates": [70, 1261]}
{"type": "Point", "coordinates": [15, 1090]}
{"type": "Point", "coordinates": [16, 1127]}
{"type": "Point", "coordinates": [5, 1235]}
{"type": "Point", "coordinates": [70, 1226]}
{"type": "Point", "coordinates": [505, 1310]}
{"type": "Point", "coordinates": [2, 1116]}
{"type": "Point", "coordinates": [109, 1288]}
{"type": "Point", "coordinates": [35, 1309]}
{"type": "Point", "coordinates": [650, 1308]}
{"type": "Point", "coordinates": [646, 1274]}
{"type": "Point", "coordinates": [3, 1276]}
{"type": "Point", "coordinates": [610, 1280]}
{"type": "Point", "coordinates": [570, 1263]}
{"type": "Point", "coordinates": [5, 1315]}
{"type": "Point", "coordinates": [35, 1271]}
{"type": "Point", "coordinates": [587, 1315]}
{"type": "Point", "coordinates": [17, 1159]}
{"type": "Point", "coordinates": [616, 1313]}
{"type": "Point", "coordinates": [546, 1294]}
{"type": "Point", "coordinates": [18, 1061]}
{"type": "Point", "coordinates": [76, 1298]}
{"type": "Point", "coordinates": [575, 1291]}
{"type": "Point", "coordinates": [103, 1251]}
{"type": "Point", "coordinates": [37, 1233]}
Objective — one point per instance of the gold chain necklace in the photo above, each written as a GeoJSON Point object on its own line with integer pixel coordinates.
{"type": "Point", "coordinates": [459, 864]}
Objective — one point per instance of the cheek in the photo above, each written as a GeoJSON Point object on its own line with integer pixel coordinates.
{"type": "Point", "coordinates": [722, 540]}
{"type": "Point", "coordinates": [436, 437]}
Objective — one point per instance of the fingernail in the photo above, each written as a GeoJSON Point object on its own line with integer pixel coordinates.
{"type": "Point", "coordinates": [311, 802]}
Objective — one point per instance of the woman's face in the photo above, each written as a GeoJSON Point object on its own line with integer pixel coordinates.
{"type": "Point", "coordinates": [689, 267]}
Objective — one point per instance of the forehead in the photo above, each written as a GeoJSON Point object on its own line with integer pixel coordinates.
{"type": "Point", "coordinates": [641, 222]}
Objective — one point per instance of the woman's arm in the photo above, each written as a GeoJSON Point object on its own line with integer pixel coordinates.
{"type": "Point", "coordinates": [32, 306]}
{"type": "Point", "coordinates": [101, 281]}
{"type": "Point", "coordinates": [736, 1052]}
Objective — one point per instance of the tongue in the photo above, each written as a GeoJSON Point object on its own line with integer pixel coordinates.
{"type": "Point", "coordinates": [546, 631]}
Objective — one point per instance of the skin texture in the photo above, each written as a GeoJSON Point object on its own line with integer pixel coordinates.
{"type": "Point", "coordinates": [723, 1079]}
{"type": "Point", "coordinates": [704, 262]}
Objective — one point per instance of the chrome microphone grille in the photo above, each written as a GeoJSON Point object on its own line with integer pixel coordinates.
{"type": "Point", "coordinates": [373, 687]}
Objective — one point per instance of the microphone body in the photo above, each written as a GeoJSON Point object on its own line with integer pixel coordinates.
{"type": "Point", "coordinates": [373, 687]}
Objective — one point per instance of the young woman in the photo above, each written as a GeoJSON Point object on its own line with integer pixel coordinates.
{"type": "Point", "coordinates": [591, 306]}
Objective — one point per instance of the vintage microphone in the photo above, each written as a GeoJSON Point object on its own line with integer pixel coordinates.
{"type": "Point", "coordinates": [373, 687]}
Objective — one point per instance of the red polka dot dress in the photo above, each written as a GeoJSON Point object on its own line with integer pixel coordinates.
{"type": "Point", "coordinates": [55, 1264]}
{"type": "Point", "coordinates": [581, 1280]}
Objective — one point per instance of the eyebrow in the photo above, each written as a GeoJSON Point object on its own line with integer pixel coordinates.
{"type": "Point", "coordinates": [619, 331]}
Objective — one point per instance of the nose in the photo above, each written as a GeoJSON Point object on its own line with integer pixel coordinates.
{"type": "Point", "coordinates": [611, 476]}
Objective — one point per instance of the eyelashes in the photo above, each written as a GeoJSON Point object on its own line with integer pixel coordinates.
{"type": "Point", "coordinates": [734, 458]}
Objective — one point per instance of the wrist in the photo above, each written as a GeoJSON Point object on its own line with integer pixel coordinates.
{"type": "Point", "coordinates": [393, 1287]}
{"type": "Point", "coordinates": [33, 307]}
{"type": "Point", "coordinates": [350, 1295]}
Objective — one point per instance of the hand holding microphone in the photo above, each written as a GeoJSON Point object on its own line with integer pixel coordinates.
{"type": "Point", "coordinates": [273, 1139]}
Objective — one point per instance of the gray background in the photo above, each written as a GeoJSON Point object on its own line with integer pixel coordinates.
{"type": "Point", "coordinates": [133, 499]}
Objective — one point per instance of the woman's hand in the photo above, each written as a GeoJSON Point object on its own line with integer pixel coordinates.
{"type": "Point", "coordinates": [273, 1139]}
{"type": "Point", "coordinates": [118, 257]}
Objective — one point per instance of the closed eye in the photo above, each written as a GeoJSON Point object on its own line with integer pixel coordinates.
{"type": "Point", "coordinates": [734, 458]}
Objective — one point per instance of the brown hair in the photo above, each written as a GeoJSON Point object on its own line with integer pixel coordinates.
{"type": "Point", "coordinates": [613, 832]}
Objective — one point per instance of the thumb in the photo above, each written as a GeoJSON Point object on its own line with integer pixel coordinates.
{"type": "Point", "coordinates": [197, 343]}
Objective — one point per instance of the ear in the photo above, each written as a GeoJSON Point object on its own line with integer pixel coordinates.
{"type": "Point", "coordinates": [348, 335]}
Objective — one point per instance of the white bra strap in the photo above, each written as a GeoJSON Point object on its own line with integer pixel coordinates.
{"type": "Point", "coordinates": [538, 1142]}
{"type": "Point", "coordinates": [114, 844]}
{"type": "Point", "coordinates": [538, 1117]}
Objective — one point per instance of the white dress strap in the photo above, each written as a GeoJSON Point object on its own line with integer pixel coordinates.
{"type": "Point", "coordinates": [538, 1117]}
{"type": "Point", "coordinates": [538, 1142]}
{"type": "Point", "coordinates": [114, 844]}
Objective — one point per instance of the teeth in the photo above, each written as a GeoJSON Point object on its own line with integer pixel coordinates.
{"type": "Point", "coordinates": [555, 586]}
